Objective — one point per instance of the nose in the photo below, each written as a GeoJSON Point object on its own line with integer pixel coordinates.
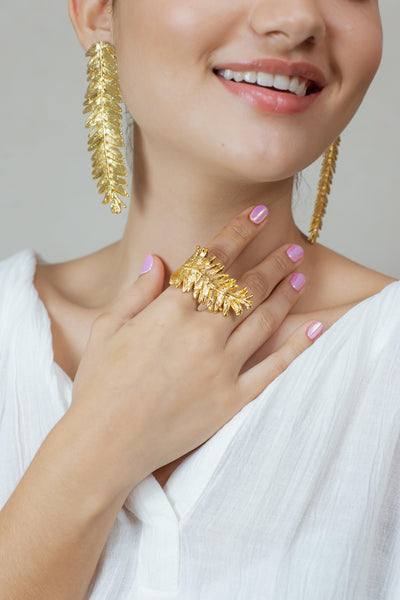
{"type": "Point", "coordinates": [288, 23]}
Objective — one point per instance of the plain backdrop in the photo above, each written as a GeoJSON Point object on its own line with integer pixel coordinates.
{"type": "Point", "coordinates": [50, 202]}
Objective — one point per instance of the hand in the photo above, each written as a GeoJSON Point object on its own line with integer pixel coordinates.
{"type": "Point", "coordinates": [158, 377]}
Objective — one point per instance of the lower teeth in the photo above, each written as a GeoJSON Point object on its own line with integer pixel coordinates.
{"type": "Point", "coordinates": [267, 87]}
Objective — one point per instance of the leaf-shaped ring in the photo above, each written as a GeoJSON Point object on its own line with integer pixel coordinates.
{"type": "Point", "coordinates": [210, 286]}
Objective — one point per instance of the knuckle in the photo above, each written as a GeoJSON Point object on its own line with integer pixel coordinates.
{"type": "Point", "coordinates": [289, 294]}
{"type": "Point", "coordinates": [296, 347]}
{"type": "Point", "coordinates": [239, 231]}
{"type": "Point", "coordinates": [279, 365]}
{"type": "Point", "coordinates": [280, 264]}
{"type": "Point", "coordinates": [257, 283]}
{"type": "Point", "coordinates": [203, 335]}
{"type": "Point", "coordinates": [298, 342]}
{"type": "Point", "coordinates": [265, 320]}
{"type": "Point", "coordinates": [220, 252]}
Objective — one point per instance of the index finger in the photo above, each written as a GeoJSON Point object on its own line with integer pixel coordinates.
{"type": "Point", "coordinates": [232, 239]}
{"type": "Point", "coordinates": [237, 234]}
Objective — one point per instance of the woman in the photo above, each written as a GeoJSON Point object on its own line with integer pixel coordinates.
{"type": "Point", "coordinates": [152, 450]}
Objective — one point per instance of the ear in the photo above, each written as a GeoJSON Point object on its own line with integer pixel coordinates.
{"type": "Point", "coordinates": [92, 21]}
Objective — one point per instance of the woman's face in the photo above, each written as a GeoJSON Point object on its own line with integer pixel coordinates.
{"type": "Point", "coordinates": [168, 51]}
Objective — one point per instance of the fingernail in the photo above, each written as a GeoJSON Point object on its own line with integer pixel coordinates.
{"type": "Point", "coordinates": [259, 214]}
{"type": "Point", "coordinates": [148, 263]}
{"type": "Point", "coordinates": [295, 253]}
{"type": "Point", "coordinates": [314, 330]}
{"type": "Point", "coordinates": [297, 282]}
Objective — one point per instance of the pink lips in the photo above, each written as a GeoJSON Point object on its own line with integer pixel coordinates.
{"type": "Point", "coordinates": [278, 66]}
{"type": "Point", "coordinates": [272, 100]}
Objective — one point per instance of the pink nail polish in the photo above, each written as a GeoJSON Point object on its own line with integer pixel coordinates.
{"type": "Point", "coordinates": [148, 263]}
{"type": "Point", "coordinates": [314, 330]}
{"type": "Point", "coordinates": [297, 282]}
{"type": "Point", "coordinates": [259, 214]}
{"type": "Point", "coordinates": [295, 253]}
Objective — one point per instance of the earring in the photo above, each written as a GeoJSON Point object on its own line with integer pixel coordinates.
{"type": "Point", "coordinates": [324, 187]}
{"type": "Point", "coordinates": [102, 99]}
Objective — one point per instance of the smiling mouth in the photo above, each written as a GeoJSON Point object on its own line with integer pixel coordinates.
{"type": "Point", "coordinates": [298, 86]}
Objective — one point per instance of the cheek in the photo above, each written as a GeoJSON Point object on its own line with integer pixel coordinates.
{"type": "Point", "coordinates": [359, 53]}
{"type": "Point", "coordinates": [162, 49]}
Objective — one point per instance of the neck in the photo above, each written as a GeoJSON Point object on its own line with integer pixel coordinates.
{"type": "Point", "coordinates": [176, 205]}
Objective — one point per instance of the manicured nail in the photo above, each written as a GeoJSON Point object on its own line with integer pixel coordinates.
{"type": "Point", "coordinates": [259, 214]}
{"type": "Point", "coordinates": [314, 330]}
{"type": "Point", "coordinates": [148, 263]}
{"type": "Point", "coordinates": [297, 282]}
{"type": "Point", "coordinates": [295, 253]}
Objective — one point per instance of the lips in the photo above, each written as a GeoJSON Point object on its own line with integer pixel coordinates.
{"type": "Point", "coordinates": [276, 66]}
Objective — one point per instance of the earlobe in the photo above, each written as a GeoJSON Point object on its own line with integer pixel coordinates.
{"type": "Point", "coordinates": [92, 21]}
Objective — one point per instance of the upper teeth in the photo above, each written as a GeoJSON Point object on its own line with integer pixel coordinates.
{"type": "Point", "coordinates": [297, 85]}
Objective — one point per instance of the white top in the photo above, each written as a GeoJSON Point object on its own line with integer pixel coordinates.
{"type": "Point", "coordinates": [295, 498]}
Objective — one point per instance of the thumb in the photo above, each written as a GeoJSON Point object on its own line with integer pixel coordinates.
{"type": "Point", "coordinates": [144, 290]}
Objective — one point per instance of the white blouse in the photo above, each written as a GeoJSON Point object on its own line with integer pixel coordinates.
{"type": "Point", "coordinates": [297, 497]}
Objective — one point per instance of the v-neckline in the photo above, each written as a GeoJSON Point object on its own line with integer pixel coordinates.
{"type": "Point", "coordinates": [186, 484]}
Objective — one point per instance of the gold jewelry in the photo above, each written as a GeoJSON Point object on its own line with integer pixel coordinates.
{"type": "Point", "coordinates": [218, 291]}
{"type": "Point", "coordinates": [324, 187]}
{"type": "Point", "coordinates": [103, 98]}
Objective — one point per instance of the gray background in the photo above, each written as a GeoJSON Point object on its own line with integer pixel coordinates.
{"type": "Point", "coordinates": [50, 202]}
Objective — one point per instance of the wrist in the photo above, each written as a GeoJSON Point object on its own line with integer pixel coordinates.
{"type": "Point", "coordinates": [81, 450]}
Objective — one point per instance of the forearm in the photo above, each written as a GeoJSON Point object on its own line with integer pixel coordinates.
{"type": "Point", "coordinates": [55, 524]}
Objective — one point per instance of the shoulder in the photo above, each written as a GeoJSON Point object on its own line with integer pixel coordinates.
{"type": "Point", "coordinates": [364, 300]}
{"type": "Point", "coordinates": [337, 286]}
{"type": "Point", "coordinates": [343, 282]}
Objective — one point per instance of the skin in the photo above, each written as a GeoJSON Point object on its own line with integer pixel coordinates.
{"type": "Point", "coordinates": [201, 156]}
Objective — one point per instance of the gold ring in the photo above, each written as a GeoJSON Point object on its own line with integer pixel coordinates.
{"type": "Point", "coordinates": [211, 287]}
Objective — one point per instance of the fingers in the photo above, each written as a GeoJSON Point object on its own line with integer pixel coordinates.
{"type": "Point", "coordinates": [256, 329]}
{"type": "Point", "coordinates": [263, 279]}
{"type": "Point", "coordinates": [228, 244]}
{"type": "Point", "coordinates": [257, 378]}
{"type": "Point", "coordinates": [134, 298]}
{"type": "Point", "coordinates": [237, 234]}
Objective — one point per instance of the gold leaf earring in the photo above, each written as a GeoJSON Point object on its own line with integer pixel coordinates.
{"type": "Point", "coordinates": [324, 187]}
{"type": "Point", "coordinates": [102, 99]}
